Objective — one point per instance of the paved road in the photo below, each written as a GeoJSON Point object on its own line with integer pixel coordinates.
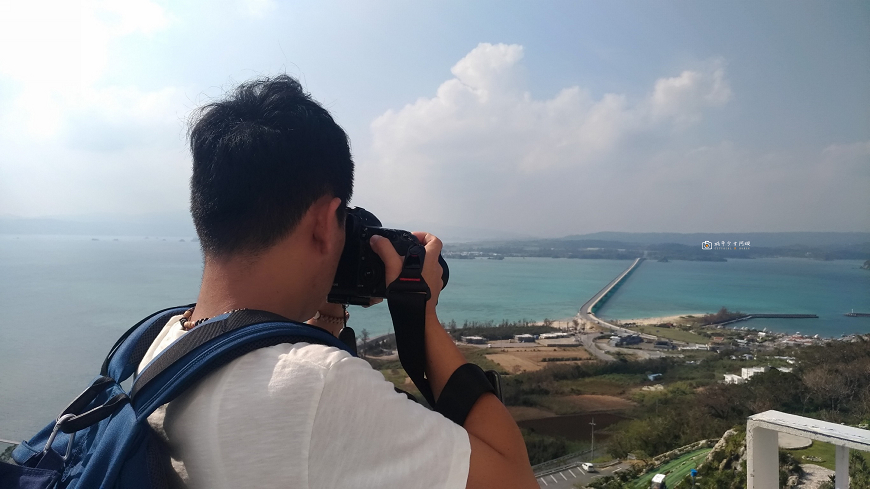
{"type": "Point", "coordinates": [588, 342]}
{"type": "Point", "coordinates": [567, 478]}
{"type": "Point", "coordinates": [641, 353]}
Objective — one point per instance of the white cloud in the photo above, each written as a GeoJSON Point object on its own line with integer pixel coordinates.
{"type": "Point", "coordinates": [258, 8]}
{"type": "Point", "coordinates": [44, 40]}
{"type": "Point", "coordinates": [685, 97]}
{"type": "Point", "coordinates": [71, 143]}
{"type": "Point", "coordinates": [484, 113]}
{"type": "Point", "coordinates": [483, 152]}
{"type": "Point", "coordinates": [53, 53]}
{"type": "Point", "coordinates": [118, 150]}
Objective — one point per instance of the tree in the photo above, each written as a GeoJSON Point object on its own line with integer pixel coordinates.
{"type": "Point", "coordinates": [827, 385]}
{"type": "Point", "coordinates": [859, 471]}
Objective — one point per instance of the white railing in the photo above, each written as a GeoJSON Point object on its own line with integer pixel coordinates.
{"type": "Point", "coordinates": [762, 445]}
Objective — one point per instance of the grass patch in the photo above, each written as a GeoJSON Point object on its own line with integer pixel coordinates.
{"type": "Point", "coordinates": [601, 459]}
{"type": "Point", "coordinates": [673, 334]}
{"type": "Point", "coordinates": [822, 450]}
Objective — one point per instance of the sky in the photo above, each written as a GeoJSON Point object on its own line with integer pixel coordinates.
{"type": "Point", "coordinates": [541, 119]}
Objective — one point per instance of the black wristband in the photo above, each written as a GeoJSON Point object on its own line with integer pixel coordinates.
{"type": "Point", "coordinates": [462, 390]}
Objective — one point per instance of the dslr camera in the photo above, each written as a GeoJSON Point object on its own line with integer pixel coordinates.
{"type": "Point", "coordinates": [360, 276]}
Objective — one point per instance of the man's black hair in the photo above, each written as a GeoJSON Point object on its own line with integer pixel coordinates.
{"type": "Point", "coordinates": [261, 158]}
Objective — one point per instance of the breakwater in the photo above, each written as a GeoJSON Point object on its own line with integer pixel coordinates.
{"type": "Point", "coordinates": [766, 316]}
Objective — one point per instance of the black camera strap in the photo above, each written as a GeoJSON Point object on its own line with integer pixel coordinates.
{"type": "Point", "coordinates": [406, 298]}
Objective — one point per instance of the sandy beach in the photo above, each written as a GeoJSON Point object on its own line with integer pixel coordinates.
{"type": "Point", "coordinates": [677, 319]}
{"type": "Point", "coordinates": [564, 323]}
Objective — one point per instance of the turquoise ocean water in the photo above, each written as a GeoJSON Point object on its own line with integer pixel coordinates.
{"type": "Point", "coordinates": [65, 300]}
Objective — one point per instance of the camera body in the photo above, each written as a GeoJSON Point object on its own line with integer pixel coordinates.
{"type": "Point", "coordinates": [360, 276]}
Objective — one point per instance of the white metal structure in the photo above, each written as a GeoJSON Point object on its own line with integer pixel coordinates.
{"type": "Point", "coordinates": [762, 445]}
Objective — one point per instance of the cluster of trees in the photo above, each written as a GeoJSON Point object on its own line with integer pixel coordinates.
{"type": "Point", "coordinates": [528, 388]}
{"type": "Point", "coordinates": [492, 331]}
{"type": "Point", "coordinates": [830, 382]}
{"type": "Point", "coordinates": [721, 316]}
{"type": "Point", "coordinates": [542, 448]}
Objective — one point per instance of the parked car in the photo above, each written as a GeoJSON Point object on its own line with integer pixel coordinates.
{"type": "Point", "coordinates": [658, 482]}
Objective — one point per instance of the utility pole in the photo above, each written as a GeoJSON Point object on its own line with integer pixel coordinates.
{"type": "Point", "coordinates": [592, 457]}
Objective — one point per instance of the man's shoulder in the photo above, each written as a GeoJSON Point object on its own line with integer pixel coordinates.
{"type": "Point", "coordinates": [276, 379]}
{"type": "Point", "coordinates": [295, 356]}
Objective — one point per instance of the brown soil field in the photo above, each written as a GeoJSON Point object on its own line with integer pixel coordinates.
{"type": "Point", "coordinates": [589, 402]}
{"type": "Point", "coordinates": [513, 363]}
{"type": "Point", "coordinates": [529, 360]}
{"type": "Point", "coordinates": [521, 413]}
{"type": "Point", "coordinates": [574, 426]}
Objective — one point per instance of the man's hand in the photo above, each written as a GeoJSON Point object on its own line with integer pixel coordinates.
{"type": "Point", "coordinates": [498, 453]}
{"type": "Point", "coordinates": [432, 271]}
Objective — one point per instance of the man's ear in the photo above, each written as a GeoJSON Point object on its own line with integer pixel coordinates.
{"type": "Point", "coordinates": [327, 229]}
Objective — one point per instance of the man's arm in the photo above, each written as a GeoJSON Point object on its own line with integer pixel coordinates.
{"type": "Point", "coordinates": [498, 453]}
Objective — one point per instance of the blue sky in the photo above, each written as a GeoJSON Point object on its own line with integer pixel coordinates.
{"type": "Point", "coordinates": [550, 119]}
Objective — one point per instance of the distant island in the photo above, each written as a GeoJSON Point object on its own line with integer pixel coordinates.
{"type": "Point", "coordinates": [846, 246]}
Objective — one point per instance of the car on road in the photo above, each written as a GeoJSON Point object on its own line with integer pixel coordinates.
{"type": "Point", "coordinates": [588, 467]}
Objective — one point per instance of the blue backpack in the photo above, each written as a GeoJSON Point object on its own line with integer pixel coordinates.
{"type": "Point", "coordinates": [103, 440]}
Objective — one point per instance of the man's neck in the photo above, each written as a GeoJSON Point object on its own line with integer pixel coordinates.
{"type": "Point", "coordinates": [278, 284]}
{"type": "Point", "coordinates": [291, 278]}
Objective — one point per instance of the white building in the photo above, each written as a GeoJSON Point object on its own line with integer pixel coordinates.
{"type": "Point", "coordinates": [747, 372]}
{"type": "Point", "coordinates": [733, 379]}
{"type": "Point", "coordinates": [552, 336]}
{"type": "Point", "coordinates": [474, 340]}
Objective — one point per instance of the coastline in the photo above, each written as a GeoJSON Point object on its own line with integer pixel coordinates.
{"type": "Point", "coordinates": [652, 321]}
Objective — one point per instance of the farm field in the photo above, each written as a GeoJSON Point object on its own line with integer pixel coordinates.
{"type": "Point", "coordinates": [531, 359]}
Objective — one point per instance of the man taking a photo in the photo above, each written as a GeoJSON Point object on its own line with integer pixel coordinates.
{"type": "Point", "coordinates": [272, 176]}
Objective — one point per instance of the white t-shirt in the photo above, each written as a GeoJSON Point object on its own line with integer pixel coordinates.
{"type": "Point", "coordinates": [305, 416]}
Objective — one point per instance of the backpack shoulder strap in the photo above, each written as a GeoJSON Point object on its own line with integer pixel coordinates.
{"type": "Point", "coordinates": [128, 351]}
{"type": "Point", "coordinates": [212, 345]}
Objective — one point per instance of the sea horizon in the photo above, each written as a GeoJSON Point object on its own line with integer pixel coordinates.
{"type": "Point", "coordinates": [67, 299]}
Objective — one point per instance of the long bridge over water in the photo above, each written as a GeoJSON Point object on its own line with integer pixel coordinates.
{"type": "Point", "coordinates": [588, 310]}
